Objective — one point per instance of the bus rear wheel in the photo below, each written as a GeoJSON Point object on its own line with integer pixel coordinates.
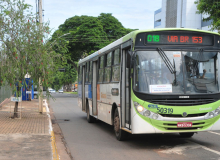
{"type": "Point", "coordinates": [186, 135]}
{"type": "Point", "coordinates": [119, 133]}
{"type": "Point", "coordinates": [90, 118]}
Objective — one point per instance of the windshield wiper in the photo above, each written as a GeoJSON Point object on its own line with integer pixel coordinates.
{"type": "Point", "coordinates": [170, 66]}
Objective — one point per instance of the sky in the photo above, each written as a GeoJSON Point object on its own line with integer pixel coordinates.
{"type": "Point", "coordinates": [132, 14]}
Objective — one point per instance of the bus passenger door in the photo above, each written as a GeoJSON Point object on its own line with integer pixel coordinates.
{"type": "Point", "coordinates": [83, 89]}
{"type": "Point", "coordinates": [94, 87]}
{"type": "Point", "coordinates": [125, 89]}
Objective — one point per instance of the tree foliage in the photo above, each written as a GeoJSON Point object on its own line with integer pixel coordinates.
{"type": "Point", "coordinates": [89, 34]}
{"type": "Point", "coordinates": [25, 46]}
{"type": "Point", "coordinates": [85, 35]}
{"type": "Point", "coordinates": [64, 78]}
{"type": "Point", "coordinates": [112, 27]}
{"type": "Point", "coordinates": [212, 9]}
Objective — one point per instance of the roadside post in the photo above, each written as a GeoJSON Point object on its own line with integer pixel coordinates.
{"type": "Point", "coordinates": [40, 85]}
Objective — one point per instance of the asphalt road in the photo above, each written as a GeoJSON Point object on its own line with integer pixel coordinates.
{"type": "Point", "coordinates": [88, 141]}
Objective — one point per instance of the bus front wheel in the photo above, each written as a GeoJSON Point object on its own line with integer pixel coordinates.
{"type": "Point", "coordinates": [186, 135]}
{"type": "Point", "coordinates": [119, 133]}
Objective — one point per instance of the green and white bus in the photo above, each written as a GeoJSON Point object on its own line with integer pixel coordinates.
{"type": "Point", "coordinates": [154, 81]}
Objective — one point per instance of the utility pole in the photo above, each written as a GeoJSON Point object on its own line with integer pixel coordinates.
{"type": "Point", "coordinates": [40, 12]}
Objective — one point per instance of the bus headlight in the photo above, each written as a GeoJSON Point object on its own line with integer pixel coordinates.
{"type": "Point", "coordinates": [138, 107]}
{"type": "Point", "coordinates": [217, 111]}
{"type": "Point", "coordinates": [155, 116]}
{"type": "Point", "coordinates": [147, 113]}
{"type": "Point", "coordinates": [213, 113]}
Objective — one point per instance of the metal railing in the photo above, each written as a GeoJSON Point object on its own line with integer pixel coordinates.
{"type": "Point", "coordinates": [5, 92]}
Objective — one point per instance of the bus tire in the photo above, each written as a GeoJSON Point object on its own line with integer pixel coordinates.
{"type": "Point", "coordinates": [90, 118]}
{"type": "Point", "coordinates": [186, 135]}
{"type": "Point", "coordinates": [119, 133]}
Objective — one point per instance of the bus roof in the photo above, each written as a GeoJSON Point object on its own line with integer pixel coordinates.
{"type": "Point", "coordinates": [132, 35]}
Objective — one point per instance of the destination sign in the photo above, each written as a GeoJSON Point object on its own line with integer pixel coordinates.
{"type": "Point", "coordinates": [179, 39]}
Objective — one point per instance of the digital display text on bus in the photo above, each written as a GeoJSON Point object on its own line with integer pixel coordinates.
{"type": "Point", "coordinates": [179, 39]}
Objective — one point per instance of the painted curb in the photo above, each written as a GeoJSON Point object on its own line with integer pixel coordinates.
{"type": "Point", "coordinates": [53, 141]}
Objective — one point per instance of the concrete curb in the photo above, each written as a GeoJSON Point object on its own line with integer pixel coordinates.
{"type": "Point", "coordinates": [53, 142]}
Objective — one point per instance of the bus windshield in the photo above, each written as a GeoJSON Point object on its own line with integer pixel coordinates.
{"type": "Point", "coordinates": [183, 72]}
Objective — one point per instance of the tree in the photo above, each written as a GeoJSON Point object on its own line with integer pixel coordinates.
{"type": "Point", "coordinates": [212, 9]}
{"type": "Point", "coordinates": [86, 35]}
{"type": "Point", "coordinates": [89, 34]}
{"type": "Point", "coordinates": [113, 27]}
{"type": "Point", "coordinates": [25, 48]}
{"type": "Point", "coordinates": [65, 78]}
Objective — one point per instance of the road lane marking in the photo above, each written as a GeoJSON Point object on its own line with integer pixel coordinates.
{"type": "Point", "coordinates": [190, 145]}
{"type": "Point", "coordinates": [214, 132]}
{"type": "Point", "coordinates": [211, 150]}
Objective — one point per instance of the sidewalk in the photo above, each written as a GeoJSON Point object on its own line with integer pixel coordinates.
{"type": "Point", "coordinates": [28, 137]}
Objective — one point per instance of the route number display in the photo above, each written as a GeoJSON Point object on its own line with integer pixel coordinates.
{"type": "Point", "coordinates": [179, 38]}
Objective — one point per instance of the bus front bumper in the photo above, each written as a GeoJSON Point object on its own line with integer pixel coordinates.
{"type": "Point", "coordinates": [144, 125]}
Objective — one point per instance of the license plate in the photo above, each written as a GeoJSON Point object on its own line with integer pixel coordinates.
{"type": "Point", "coordinates": [184, 124]}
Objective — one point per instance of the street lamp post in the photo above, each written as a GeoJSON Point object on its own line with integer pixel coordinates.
{"type": "Point", "coordinates": [40, 85]}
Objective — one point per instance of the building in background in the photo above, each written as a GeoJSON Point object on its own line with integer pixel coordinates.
{"type": "Point", "coordinates": [179, 14]}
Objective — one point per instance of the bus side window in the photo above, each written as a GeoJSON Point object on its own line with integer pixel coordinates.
{"type": "Point", "coordinates": [116, 65]}
{"type": "Point", "coordinates": [87, 72]}
{"type": "Point", "coordinates": [90, 72]}
{"type": "Point", "coordinates": [101, 68]}
{"type": "Point", "coordinates": [80, 75]}
{"type": "Point", "coordinates": [108, 69]}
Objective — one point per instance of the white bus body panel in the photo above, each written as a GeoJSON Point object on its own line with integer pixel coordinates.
{"type": "Point", "coordinates": [103, 94]}
{"type": "Point", "coordinates": [106, 95]}
{"type": "Point", "coordinates": [105, 99]}
{"type": "Point", "coordinates": [138, 125]}
{"type": "Point", "coordinates": [104, 112]}
{"type": "Point", "coordinates": [216, 125]}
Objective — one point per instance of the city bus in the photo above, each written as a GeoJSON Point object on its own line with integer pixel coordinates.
{"type": "Point", "coordinates": [154, 81]}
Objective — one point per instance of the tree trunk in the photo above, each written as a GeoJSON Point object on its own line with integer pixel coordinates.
{"type": "Point", "coordinates": [16, 110]}
{"type": "Point", "coordinates": [68, 88]}
{"type": "Point", "coordinates": [16, 103]}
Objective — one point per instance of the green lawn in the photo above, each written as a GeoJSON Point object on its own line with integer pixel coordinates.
{"type": "Point", "coordinates": [71, 92]}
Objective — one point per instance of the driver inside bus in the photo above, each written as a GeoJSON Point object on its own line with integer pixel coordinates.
{"type": "Point", "coordinates": [203, 75]}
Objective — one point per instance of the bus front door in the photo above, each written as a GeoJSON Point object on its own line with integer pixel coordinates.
{"type": "Point", "coordinates": [125, 90]}
{"type": "Point", "coordinates": [83, 89]}
{"type": "Point", "coordinates": [94, 88]}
